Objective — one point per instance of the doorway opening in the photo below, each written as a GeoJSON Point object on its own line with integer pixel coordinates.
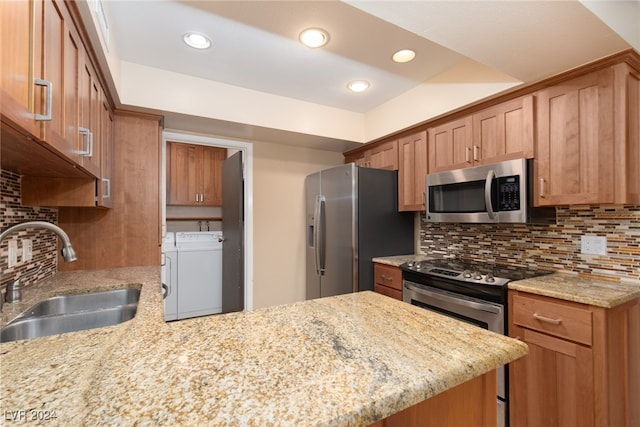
{"type": "Point", "coordinates": [231, 146]}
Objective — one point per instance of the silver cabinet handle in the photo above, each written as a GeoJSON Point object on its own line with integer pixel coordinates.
{"type": "Point", "coordinates": [467, 154]}
{"type": "Point", "coordinates": [49, 104]}
{"type": "Point", "coordinates": [108, 182]}
{"type": "Point", "coordinates": [476, 153]}
{"type": "Point", "coordinates": [542, 195]}
{"type": "Point", "coordinates": [547, 319]}
{"type": "Point", "coordinates": [89, 135]}
{"type": "Point", "coordinates": [385, 277]}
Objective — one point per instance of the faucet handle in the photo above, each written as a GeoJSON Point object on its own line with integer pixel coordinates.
{"type": "Point", "coordinates": [13, 292]}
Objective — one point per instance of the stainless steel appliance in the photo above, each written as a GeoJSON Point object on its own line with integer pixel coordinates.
{"type": "Point", "coordinates": [472, 292]}
{"type": "Point", "coordinates": [352, 217]}
{"type": "Point", "coordinates": [497, 193]}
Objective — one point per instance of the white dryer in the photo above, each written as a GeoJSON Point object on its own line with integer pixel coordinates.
{"type": "Point", "coordinates": [169, 276]}
{"type": "Point", "coordinates": [199, 273]}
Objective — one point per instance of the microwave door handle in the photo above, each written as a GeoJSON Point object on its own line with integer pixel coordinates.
{"type": "Point", "coordinates": [487, 194]}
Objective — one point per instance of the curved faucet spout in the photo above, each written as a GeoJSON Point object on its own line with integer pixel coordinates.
{"type": "Point", "coordinates": [68, 254]}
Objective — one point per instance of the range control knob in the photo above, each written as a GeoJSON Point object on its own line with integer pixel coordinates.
{"type": "Point", "coordinates": [411, 264]}
{"type": "Point", "coordinates": [477, 275]}
{"type": "Point", "coordinates": [490, 278]}
{"type": "Point", "coordinates": [467, 274]}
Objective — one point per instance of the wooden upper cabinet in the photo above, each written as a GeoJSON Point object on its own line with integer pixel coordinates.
{"type": "Point", "coordinates": [194, 174]}
{"type": "Point", "coordinates": [90, 109]}
{"type": "Point", "coordinates": [412, 172]}
{"type": "Point", "coordinates": [504, 132]}
{"type": "Point", "coordinates": [501, 132]}
{"type": "Point", "coordinates": [627, 134]}
{"type": "Point", "coordinates": [16, 79]}
{"type": "Point", "coordinates": [382, 155]}
{"type": "Point", "coordinates": [575, 145]}
{"type": "Point", "coordinates": [450, 145]}
{"type": "Point", "coordinates": [359, 158]}
{"type": "Point", "coordinates": [105, 189]}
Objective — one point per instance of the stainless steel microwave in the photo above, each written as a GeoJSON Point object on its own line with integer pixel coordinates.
{"type": "Point", "coordinates": [496, 193]}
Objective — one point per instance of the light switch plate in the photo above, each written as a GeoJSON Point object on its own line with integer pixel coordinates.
{"type": "Point", "coordinates": [27, 250]}
{"type": "Point", "coordinates": [594, 245]}
{"type": "Point", "coordinates": [13, 253]}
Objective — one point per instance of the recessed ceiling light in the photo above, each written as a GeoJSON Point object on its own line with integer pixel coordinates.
{"type": "Point", "coordinates": [404, 55]}
{"type": "Point", "coordinates": [358, 85]}
{"type": "Point", "coordinates": [197, 40]}
{"type": "Point", "coordinates": [314, 37]}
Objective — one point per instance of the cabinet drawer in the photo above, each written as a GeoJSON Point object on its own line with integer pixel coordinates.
{"type": "Point", "coordinates": [393, 293]}
{"type": "Point", "coordinates": [388, 276]}
{"type": "Point", "coordinates": [558, 319]}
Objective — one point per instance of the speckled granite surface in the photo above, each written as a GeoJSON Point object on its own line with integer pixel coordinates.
{"type": "Point", "coordinates": [398, 260]}
{"type": "Point", "coordinates": [344, 360]}
{"type": "Point", "coordinates": [570, 287]}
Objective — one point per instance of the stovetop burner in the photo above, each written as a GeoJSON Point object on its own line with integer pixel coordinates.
{"type": "Point", "coordinates": [472, 272]}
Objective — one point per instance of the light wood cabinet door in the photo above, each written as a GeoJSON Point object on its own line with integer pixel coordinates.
{"type": "Point", "coordinates": [89, 111]}
{"type": "Point", "coordinates": [451, 145]}
{"type": "Point", "coordinates": [412, 172]}
{"type": "Point", "coordinates": [17, 79]}
{"type": "Point", "coordinates": [574, 149]}
{"type": "Point", "coordinates": [503, 132]}
{"type": "Point", "coordinates": [212, 158]}
{"type": "Point", "coordinates": [194, 174]}
{"type": "Point", "coordinates": [105, 184]}
{"type": "Point", "coordinates": [384, 156]}
{"type": "Point", "coordinates": [59, 65]}
{"type": "Point", "coordinates": [554, 384]}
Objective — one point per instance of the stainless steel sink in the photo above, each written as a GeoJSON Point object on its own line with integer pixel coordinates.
{"type": "Point", "coordinates": [70, 313]}
{"type": "Point", "coordinates": [89, 301]}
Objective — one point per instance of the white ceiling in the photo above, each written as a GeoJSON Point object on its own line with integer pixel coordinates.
{"type": "Point", "coordinates": [255, 42]}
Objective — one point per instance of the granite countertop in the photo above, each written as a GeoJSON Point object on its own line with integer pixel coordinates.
{"type": "Point", "coordinates": [571, 287]}
{"type": "Point", "coordinates": [344, 360]}
{"type": "Point", "coordinates": [398, 260]}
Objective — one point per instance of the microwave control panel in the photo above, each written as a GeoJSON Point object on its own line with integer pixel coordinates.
{"type": "Point", "coordinates": [509, 193]}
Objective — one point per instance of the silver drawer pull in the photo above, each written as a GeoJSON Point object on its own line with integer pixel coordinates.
{"type": "Point", "coordinates": [547, 319]}
{"type": "Point", "coordinates": [385, 277]}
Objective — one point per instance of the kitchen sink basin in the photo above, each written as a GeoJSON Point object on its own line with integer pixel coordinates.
{"type": "Point", "coordinates": [71, 313]}
{"type": "Point", "coordinates": [89, 301]}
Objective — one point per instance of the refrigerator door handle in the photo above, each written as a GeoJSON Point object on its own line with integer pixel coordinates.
{"type": "Point", "coordinates": [319, 235]}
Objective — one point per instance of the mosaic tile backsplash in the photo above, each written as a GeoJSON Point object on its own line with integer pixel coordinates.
{"type": "Point", "coordinates": [554, 247]}
{"type": "Point", "coordinates": [44, 243]}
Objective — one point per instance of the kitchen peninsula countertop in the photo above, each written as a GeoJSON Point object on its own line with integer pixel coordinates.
{"type": "Point", "coordinates": [344, 360]}
{"type": "Point", "coordinates": [571, 287]}
{"type": "Point", "coordinates": [398, 260]}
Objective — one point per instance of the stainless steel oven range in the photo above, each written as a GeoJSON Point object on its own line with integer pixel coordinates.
{"type": "Point", "coordinates": [472, 292]}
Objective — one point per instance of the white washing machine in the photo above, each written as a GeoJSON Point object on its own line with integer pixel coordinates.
{"type": "Point", "coordinates": [199, 273]}
{"type": "Point", "coordinates": [169, 276]}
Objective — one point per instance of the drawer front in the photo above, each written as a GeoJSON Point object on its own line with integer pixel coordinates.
{"type": "Point", "coordinates": [554, 318]}
{"type": "Point", "coordinates": [393, 293]}
{"type": "Point", "coordinates": [388, 276]}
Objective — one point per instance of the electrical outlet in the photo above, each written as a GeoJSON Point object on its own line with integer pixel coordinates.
{"type": "Point", "coordinates": [594, 245]}
{"type": "Point", "coordinates": [27, 250]}
{"type": "Point", "coordinates": [13, 253]}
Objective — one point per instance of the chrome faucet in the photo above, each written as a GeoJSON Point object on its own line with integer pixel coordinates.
{"type": "Point", "coordinates": [68, 254]}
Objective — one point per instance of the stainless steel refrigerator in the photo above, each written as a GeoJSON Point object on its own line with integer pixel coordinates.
{"type": "Point", "coordinates": [352, 217]}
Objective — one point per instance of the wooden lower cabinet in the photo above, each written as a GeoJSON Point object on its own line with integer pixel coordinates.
{"type": "Point", "coordinates": [583, 366]}
{"type": "Point", "coordinates": [471, 404]}
{"type": "Point", "coordinates": [388, 280]}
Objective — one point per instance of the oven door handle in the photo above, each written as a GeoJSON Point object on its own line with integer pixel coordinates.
{"type": "Point", "coordinates": [487, 193]}
{"type": "Point", "coordinates": [440, 296]}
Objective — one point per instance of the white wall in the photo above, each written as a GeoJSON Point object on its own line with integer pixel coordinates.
{"type": "Point", "coordinates": [279, 219]}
